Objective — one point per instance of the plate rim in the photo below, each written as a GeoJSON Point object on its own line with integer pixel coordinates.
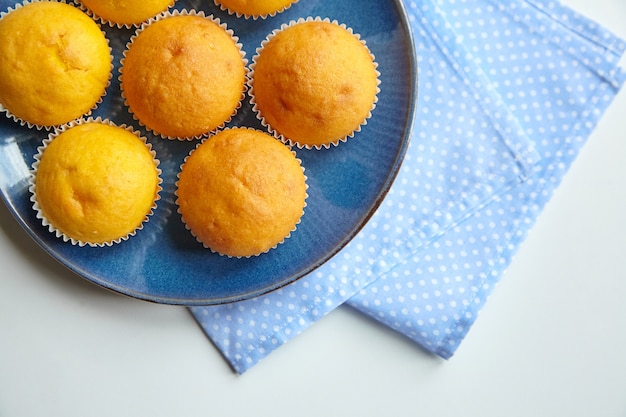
{"type": "Point", "coordinates": [373, 207]}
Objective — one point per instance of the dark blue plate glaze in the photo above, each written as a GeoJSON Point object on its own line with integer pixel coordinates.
{"type": "Point", "coordinates": [163, 263]}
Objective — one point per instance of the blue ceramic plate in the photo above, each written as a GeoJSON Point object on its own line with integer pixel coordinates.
{"type": "Point", "coordinates": [163, 262]}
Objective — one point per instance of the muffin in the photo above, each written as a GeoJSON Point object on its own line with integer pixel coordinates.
{"type": "Point", "coordinates": [183, 75]}
{"type": "Point", "coordinates": [254, 8]}
{"type": "Point", "coordinates": [313, 83]}
{"type": "Point", "coordinates": [94, 182]}
{"type": "Point", "coordinates": [126, 12]}
{"type": "Point", "coordinates": [241, 192]}
{"type": "Point", "coordinates": [55, 63]}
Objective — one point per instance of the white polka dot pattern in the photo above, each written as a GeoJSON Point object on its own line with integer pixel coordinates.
{"type": "Point", "coordinates": [509, 91]}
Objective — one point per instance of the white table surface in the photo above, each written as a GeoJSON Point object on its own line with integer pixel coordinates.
{"type": "Point", "coordinates": [551, 340]}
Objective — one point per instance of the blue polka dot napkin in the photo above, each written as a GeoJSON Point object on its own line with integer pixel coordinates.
{"type": "Point", "coordinates": [509, 91]}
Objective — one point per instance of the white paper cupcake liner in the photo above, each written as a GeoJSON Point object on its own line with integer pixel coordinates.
{"type": "Point", "coordinates": [33, 190]}
{"type": "Point", "coordinates": [204, 244]}
{"type": "Point", "coordinates": [185, 12]}
{"type": "Point", "coordinates": [258, 112]}
{"type": "Point", "coordinates": [32, 125]}
{"type": "Point", "coordinates": [252, 16]}
{"type": "Point", "coordinates": [119, 25]}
